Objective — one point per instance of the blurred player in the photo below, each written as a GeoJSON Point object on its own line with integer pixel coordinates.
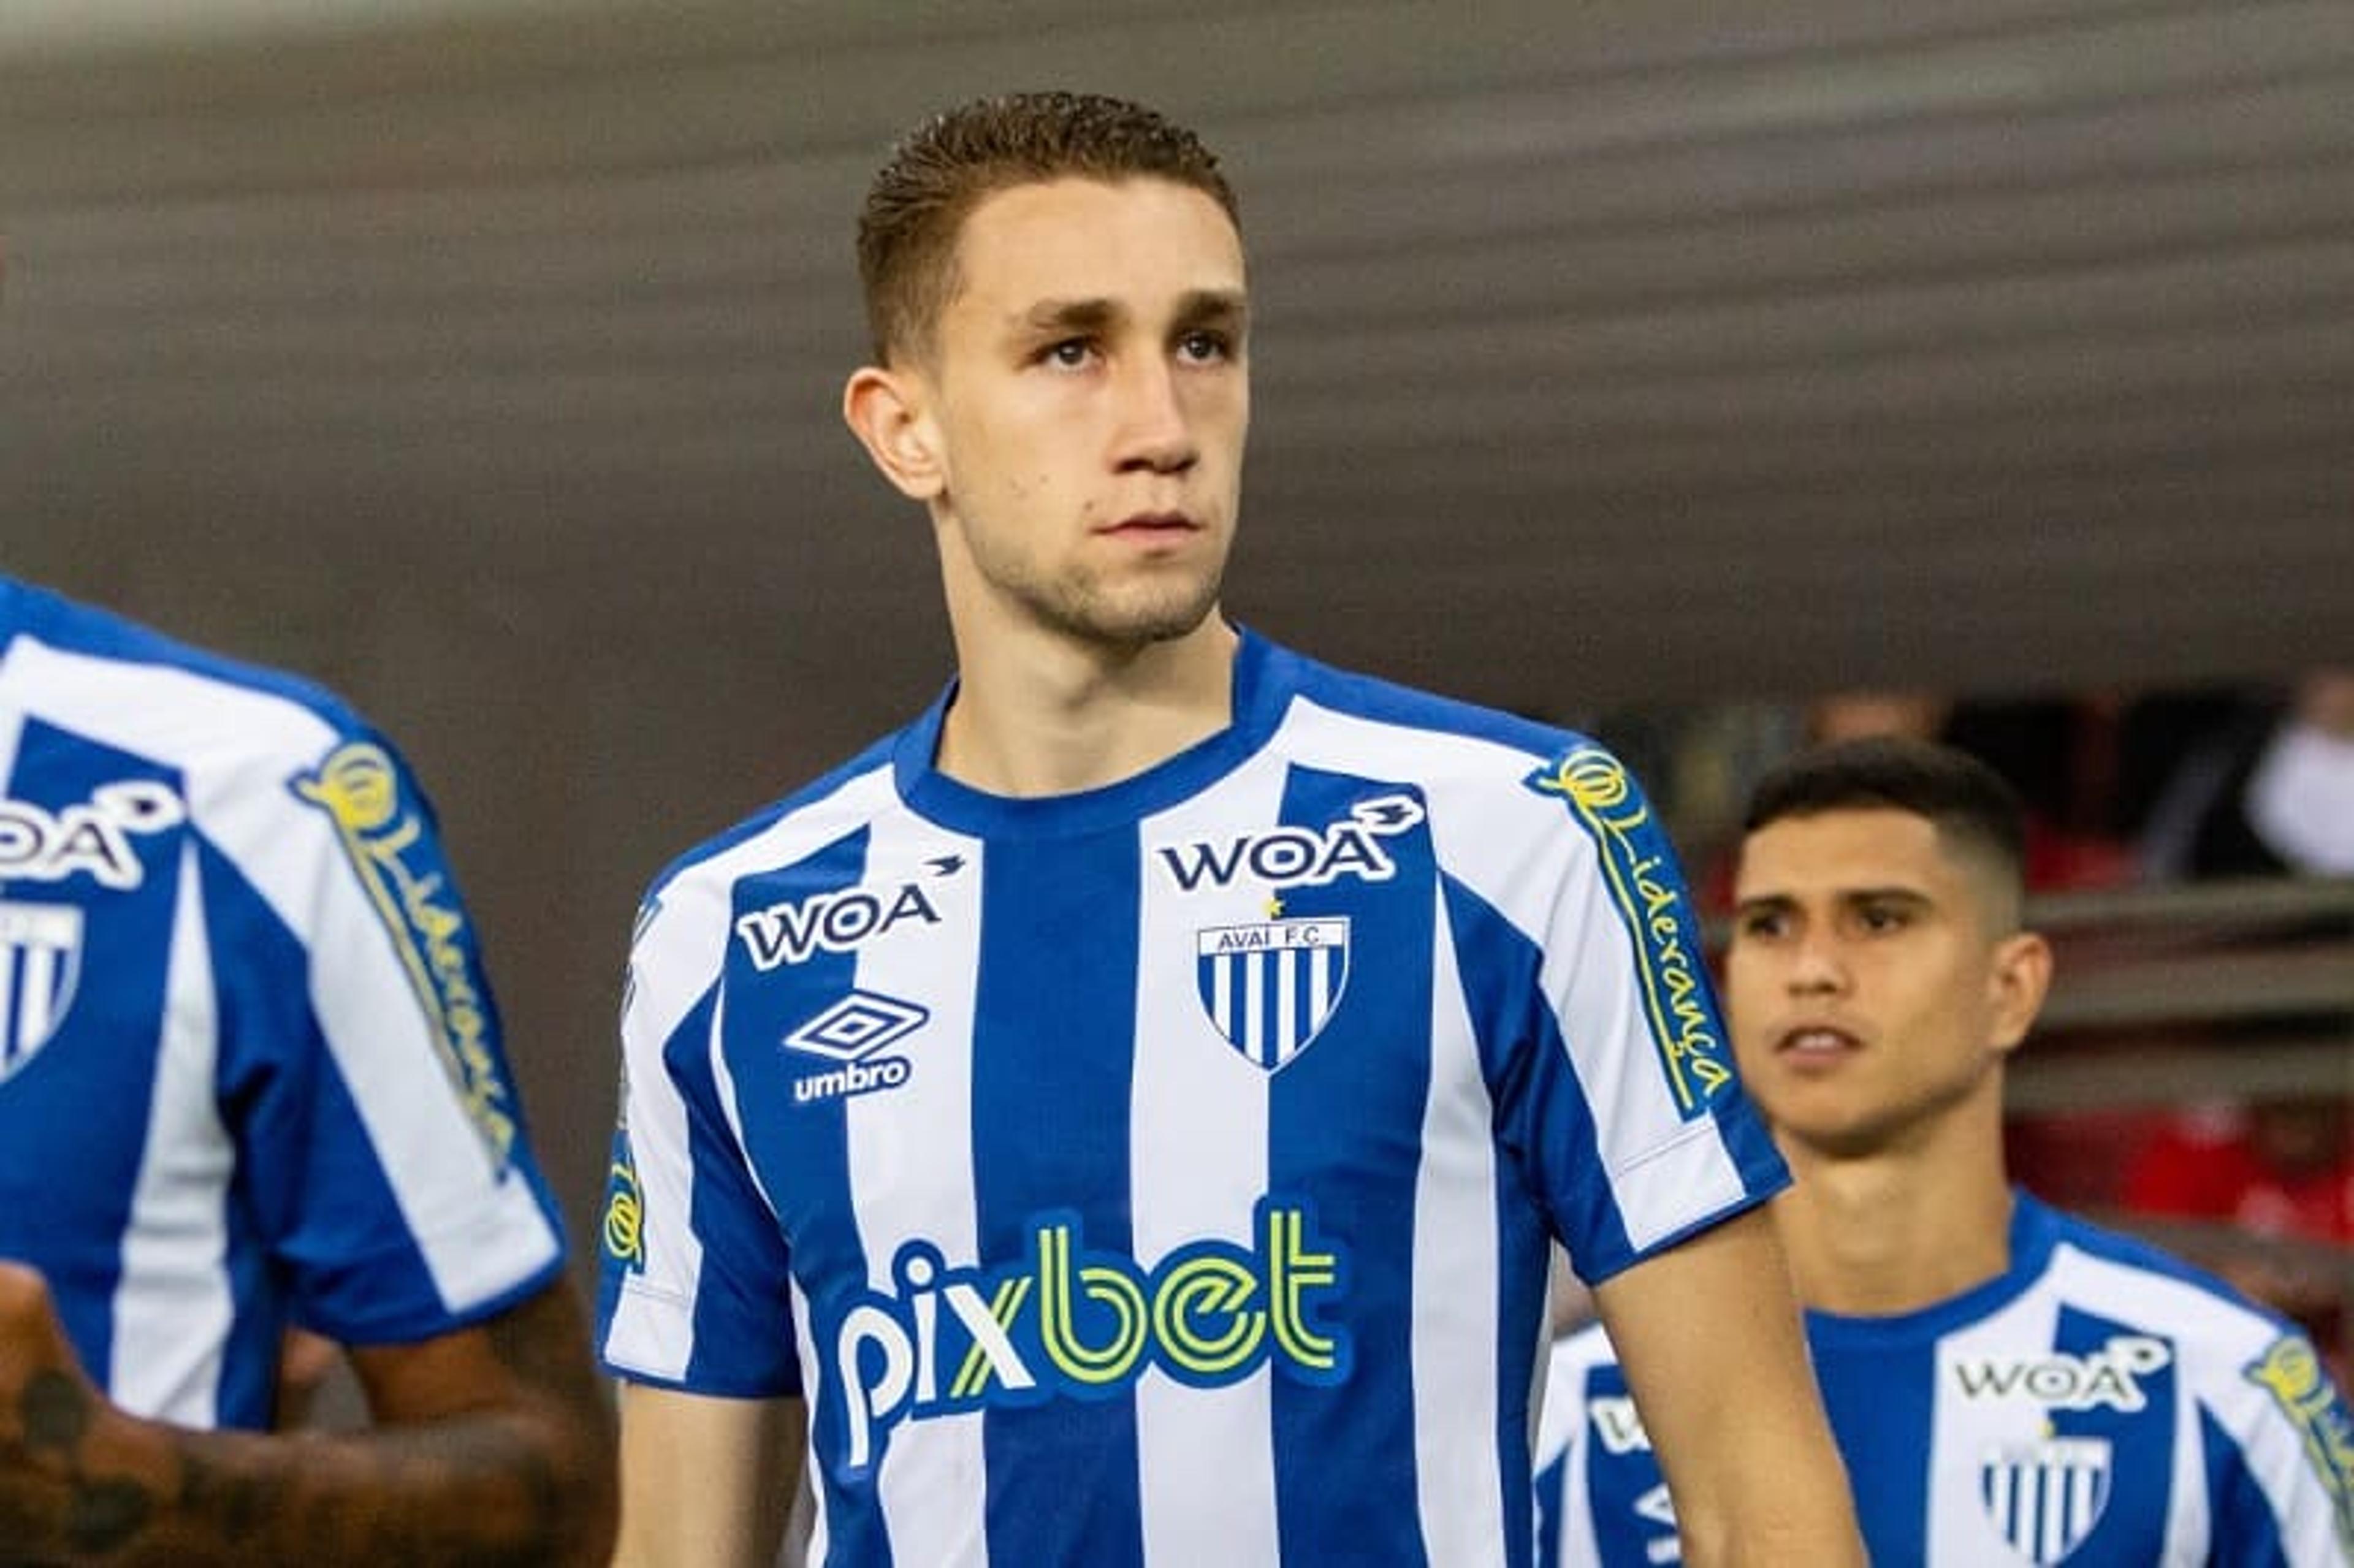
{"type": "Point", "coordinates": [2009, 1384]}
{"type": "Point", "coordinates": [251, 1079]}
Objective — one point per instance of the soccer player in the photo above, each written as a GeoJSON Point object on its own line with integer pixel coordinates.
{"type": "Point", "coordinates": [251, 1077]}
{"type": "Point", "coordinates": [2009, 1384]}
{"type": "Point", "coordinates": [1120, 1118]}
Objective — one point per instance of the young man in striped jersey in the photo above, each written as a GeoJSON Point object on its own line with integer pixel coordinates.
{"type": "Point", "coordinates": [2009, 1384]}
{"type": "Point", "coordinates": [251, 1077]}
{"type": "Point", "coordinates": [1120, 1118]}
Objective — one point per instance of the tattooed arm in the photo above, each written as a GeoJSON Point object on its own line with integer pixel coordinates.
{"type": "Point", "coordinates": [493, 1446]}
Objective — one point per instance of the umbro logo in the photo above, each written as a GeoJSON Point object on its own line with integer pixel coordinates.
{"type": "Point", "coordinates": [852, 1034]}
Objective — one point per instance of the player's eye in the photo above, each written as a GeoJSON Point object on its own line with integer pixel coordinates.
{"type": "Point", "coordinates": [1205, 347]}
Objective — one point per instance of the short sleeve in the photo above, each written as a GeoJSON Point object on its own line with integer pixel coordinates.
{"type": "Point", "coordinates": [1617, 1081]}
{"type": "Point", "coordinates": [363, 1067]}
{"type": "Point", "coordinates": [696, 1281]}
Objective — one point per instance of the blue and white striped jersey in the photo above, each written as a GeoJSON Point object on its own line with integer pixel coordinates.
{"type": "Point", "coordinates": [1165, 1173]}
{"type": "Point", "coordinates": [250, 1070]}
{"type": "Point", "coordinates": [2101, 1404]}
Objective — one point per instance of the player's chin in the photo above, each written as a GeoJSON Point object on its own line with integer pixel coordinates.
{"type": "Point", "coordinates": [1161, 612]}
{"type": "Point", "coordinates": [1829, 1132]}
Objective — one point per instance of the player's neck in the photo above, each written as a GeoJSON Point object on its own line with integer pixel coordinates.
{"type": "Point", "coordinates": [1045, 715]}
{"type": "Point", "coordinates": [1901, 1230]}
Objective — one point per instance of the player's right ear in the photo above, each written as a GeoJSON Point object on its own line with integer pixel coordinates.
{"type": "Point", "coordinates": [885, 410]}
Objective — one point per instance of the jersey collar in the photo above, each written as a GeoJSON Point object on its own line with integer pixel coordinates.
{"type": "Point", "coordinates": [1260, 695]}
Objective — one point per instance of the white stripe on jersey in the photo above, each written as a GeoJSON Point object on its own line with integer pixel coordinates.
{"type": "Point", "coordinates": [1457, 1268]}
{"type": "Point", "coordinates": [479, 1240]}
{"type": "Point", "coordinates": [933, 1478]}
{"type": "Point", "coordinates": [172, 1310]}
{"type": "Point", "coordinates": [1965, 1432]}
{"type": "Point", "coordinates": [1199, 1162]}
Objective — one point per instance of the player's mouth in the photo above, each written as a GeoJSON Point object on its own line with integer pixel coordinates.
{"type": "Point", "coordinates": [1811, 1044]}
{"type": "Point", "coordinates": [1153, 525]}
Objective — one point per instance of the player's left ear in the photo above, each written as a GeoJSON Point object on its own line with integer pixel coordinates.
{"type": "Point", "coordinates": [885, 410]}
{"type": "Point", "coordinates": [2017, 980]}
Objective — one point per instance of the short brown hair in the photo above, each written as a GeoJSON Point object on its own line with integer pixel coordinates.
{"type": "Point", "coordinates": [918, 201]}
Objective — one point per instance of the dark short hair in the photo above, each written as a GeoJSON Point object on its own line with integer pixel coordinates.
{"type": "Point", "coordinates": [1969, 803]}
{"type": "Point", "coordinates": [918, 201]}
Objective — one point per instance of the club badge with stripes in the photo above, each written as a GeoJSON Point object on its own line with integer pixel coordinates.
{"type": "Point", "coordinates": [2046, 1496]}
{"type": "Point", "coordinates": [40, 962]}
{"type": "Point", "coordinates": [1270, 987]}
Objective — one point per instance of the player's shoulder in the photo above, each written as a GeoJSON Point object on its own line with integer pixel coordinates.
{"type": "Point", "coordinates": [2132, 1280]}
{"type": "Point", "coordinates": [1441, 741]}
{"type": "Point", "coordinates": [779, 832]}
{"type": "Point", "coordinates": [1375, 701]}
{"type": "Point", "coordinates": [197, 704]}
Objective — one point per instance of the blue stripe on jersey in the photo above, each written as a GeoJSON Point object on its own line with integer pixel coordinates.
{"type": "Point", "coordinates": [1374, 1057]}
{"type": "Point", "coordinates": [274, 1071]}
{"type": "Point", "coordinates": [811, 1141]}
{"type": "Point", "coordinates": [1054, 1049]}
{"type": "Point", "coordinates": [1545, 1125]}
{"type": "Point", "coordinates": [1880, 1392]}
{"type": "Point", "coordinates": [2130, 1527]}
{"type": "Point", "coordinates": [741, 1260]}
{"type": "Point", "coordinates": [74, 1140]}
{"type": "Point", "coordinates": [2246, 1529]}
{"type": "Point", "coordinates": [301, 1185]}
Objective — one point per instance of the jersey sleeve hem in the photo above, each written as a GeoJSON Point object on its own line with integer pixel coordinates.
{"type": "Point", "coordinates": [1684, 1189]}
{"type": "Point", "coordinates": [349, 1303]}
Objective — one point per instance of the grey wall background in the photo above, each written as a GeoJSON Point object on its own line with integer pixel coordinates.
{"type": "Point", "coordinates": [482, 357]}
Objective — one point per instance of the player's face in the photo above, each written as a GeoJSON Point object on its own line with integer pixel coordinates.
{"type": "Point", "coordinates": [1088, 398]}
{"type": "Point", "coordinates": [1868, 995]}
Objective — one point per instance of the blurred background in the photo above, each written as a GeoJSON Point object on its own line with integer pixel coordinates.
{"type": "Point", "coordinates": [1707, 376]}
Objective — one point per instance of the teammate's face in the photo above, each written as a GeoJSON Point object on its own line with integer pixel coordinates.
{"type": "Point", "coordinates": [1869, 991]}
{"type": "Point", "coordinates": [1086, 398]}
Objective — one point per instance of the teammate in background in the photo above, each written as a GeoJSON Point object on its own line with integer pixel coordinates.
{"type": "Point", "coordinates": [251, 1077]}
{"type": "Point", "coordinates": [1122, 1115]}
{"type": "Point", "coordinates": [2009, 1384]}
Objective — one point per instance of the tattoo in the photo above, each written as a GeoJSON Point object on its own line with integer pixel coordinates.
{"type": "Point", "coordinates": [516, 1474]}
{"type": "Point", "coordinates": [106, 1515]}
{"type": "Point", "coordinates": [238, 1504]}
{"type": "Point", "coordinates": [494, 1450]}
{"type": "Point", "coordinates": [57, 1412]}
{"type": "Point", "coordinates": [100, 1514]}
